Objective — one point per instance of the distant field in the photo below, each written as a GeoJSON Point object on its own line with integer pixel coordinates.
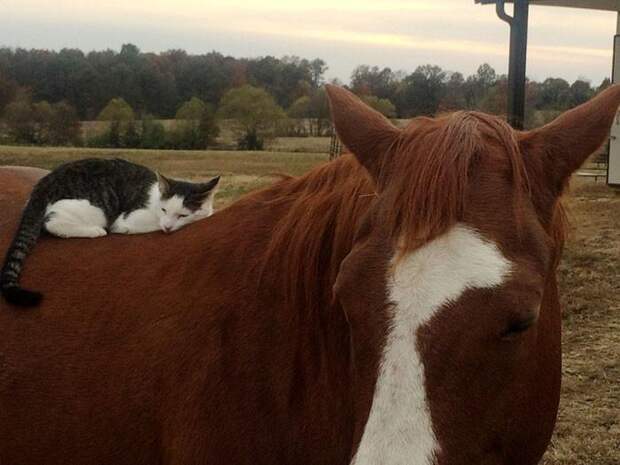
{"type": "Point", "coordinates": [226, 138]}
{"type": "Point", "coordinates": [240, 171]}
{"type": "Point", "coordinates": [300, 144]}
{"type": "Point", "coordinates": [588, 428]}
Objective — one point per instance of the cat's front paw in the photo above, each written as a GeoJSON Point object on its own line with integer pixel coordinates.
{"type": "Point", "coordinates": [98, 232]}
{"type": "Point", "coordinates": [119, 228]}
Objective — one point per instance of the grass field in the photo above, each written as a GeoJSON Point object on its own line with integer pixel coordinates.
{"type": "Point", "coordinates": [300, 144]}
{"type": "Point", "coordinates": [240, 171]}
{"type": "Point", "coordinates": [588, 428]}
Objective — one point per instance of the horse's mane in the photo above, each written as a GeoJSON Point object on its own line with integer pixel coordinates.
{"type": "Point", "coordinates": [431, 171]}
{"type": "Point", "coordinates": [316, 232]}
{"type": "Point", "coordinates": [426, 177]}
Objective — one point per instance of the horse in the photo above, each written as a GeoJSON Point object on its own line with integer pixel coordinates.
{"type": "Point", "coordinates": [397, 305]}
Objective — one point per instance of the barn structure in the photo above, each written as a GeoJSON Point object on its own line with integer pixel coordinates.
{"type": "Point", "coordinates": [518, 23]}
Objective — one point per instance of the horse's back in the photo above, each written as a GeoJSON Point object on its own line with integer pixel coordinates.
{"type": "Point", "coordinates": [16, 182]}
{"type": "Point", "coordinates": [156, 349]}
{"type": "Point", "coordinates": [85, 376]}
{"type": "Point", "coordinates": [25, 176]}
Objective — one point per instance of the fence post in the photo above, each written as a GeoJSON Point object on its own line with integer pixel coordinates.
{"type": "Point", "coordinates": [335, 147]}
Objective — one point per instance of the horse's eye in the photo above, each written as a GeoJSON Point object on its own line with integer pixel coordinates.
{"type": "Point", "coordinates": [518, 327]}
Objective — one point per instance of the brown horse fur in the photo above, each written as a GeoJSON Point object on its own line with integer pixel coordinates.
{"type": "Point", "coordinates": [256, 336]}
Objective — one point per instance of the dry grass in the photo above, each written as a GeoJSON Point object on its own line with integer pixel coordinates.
{"type": "Point", "coordinates": [300, 144]}
{"type": "Point", "coordinates": [240, 171]}
{"type": "Point", "coordinates": [588, 428]}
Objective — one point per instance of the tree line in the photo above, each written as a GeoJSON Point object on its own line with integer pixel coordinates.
{"type": "Point", "coordinates": [150, 83]}
{"type": "Point", "coordinates": [44, 94]}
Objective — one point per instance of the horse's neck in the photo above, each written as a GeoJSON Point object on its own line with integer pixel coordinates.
{"type": "Point", "coordinates": [283, 248]}
{"type": "Point", "coordinates": [313, 231]}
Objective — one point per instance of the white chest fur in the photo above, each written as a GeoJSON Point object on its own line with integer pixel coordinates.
{"type": "Point", "coordinates": [399, 429]}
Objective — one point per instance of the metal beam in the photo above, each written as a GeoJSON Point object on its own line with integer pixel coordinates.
{"type": "Point", "coordinates": [605, 5]}
{"type": "Point", "coordinates": [518, 59]}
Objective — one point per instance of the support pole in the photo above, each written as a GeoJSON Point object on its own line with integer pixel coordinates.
{"type": "Point", "coordinates": [613, 155]}
{"type": "Point", "coordinates": [518, 59]}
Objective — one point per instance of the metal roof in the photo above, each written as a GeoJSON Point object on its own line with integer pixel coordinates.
{"type": "Point", "coordinates": [608, 5]}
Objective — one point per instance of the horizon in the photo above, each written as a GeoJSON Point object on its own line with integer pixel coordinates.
{"type": "Point", "coordinates": [344, 80]}
{"type": "Point", "coordinates": [456, 35]}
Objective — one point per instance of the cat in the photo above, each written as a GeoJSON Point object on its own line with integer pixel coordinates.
{"type": "Point", "coordinates": [93, 197]}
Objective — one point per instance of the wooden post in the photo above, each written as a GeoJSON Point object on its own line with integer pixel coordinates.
{"type": "Point", "coordinates": [335, 147]}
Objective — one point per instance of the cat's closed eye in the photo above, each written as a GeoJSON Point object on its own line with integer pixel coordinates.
{"type": "Point", "coordinates": [164, 210]}
{"type": "Point", "coordinates": [183, 216]}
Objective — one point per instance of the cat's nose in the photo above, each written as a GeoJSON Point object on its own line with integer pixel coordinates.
{"type": "Point", "coordinates": [167, 229]}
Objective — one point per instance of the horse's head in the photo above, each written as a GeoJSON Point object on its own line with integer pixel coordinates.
{"type": "Point", "coordinates": [458, 258]}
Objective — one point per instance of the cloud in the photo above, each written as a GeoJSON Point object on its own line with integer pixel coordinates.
{"type": "Point", "coordinates": [455, 34]}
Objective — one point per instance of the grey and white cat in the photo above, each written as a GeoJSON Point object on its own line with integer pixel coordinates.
{"type": "Point", "coordinates": [93, 197]}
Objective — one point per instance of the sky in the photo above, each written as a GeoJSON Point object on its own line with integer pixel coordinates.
{"type": "Point", "coordinates": [457, 35]}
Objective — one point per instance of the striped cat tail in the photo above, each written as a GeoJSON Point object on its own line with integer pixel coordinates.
{"type": "Point", "coordinates": [26, 237]}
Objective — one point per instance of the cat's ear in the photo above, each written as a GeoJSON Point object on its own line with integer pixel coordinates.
{"type": "Point", "coordinates": [209, 188]}
{"type": "Point", "coordinates": [163, 183]}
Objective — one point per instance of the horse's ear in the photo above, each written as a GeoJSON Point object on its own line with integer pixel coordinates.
{"type": "Point", "coordinates": [365, 132]}
{"type": "Point", "coordinates": [555, 151]}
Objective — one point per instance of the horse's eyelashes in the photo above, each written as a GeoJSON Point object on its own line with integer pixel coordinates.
{"type": "Point", "coordinates": [517, 327]}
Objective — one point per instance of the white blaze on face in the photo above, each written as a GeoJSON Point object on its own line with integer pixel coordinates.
{"type": "Point", "coordinates": [399, 429]}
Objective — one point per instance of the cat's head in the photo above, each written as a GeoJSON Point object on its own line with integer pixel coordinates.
{"type": "Point", "coordinates": [184, 202]}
